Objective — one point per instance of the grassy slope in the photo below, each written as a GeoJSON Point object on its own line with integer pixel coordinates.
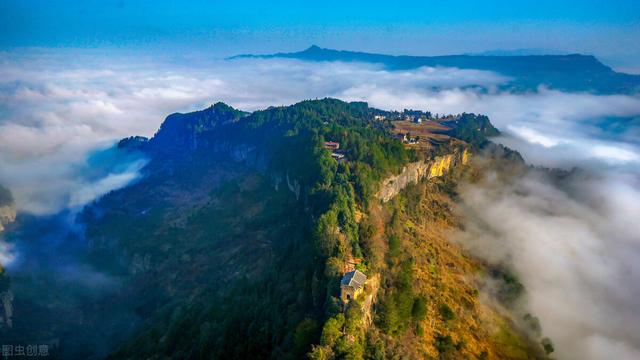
{"type": "Point", "coordinates": [423, 219]}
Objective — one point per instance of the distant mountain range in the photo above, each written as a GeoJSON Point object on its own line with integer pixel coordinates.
{"type": "Point", "coordinates": [573, 72]}
{"type": "Point", "coordinates": [517, 52]}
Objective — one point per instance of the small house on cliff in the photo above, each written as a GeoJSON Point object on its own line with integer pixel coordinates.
{"type": "Point", "coordinates": [402, 137]}
{"type": "Point", "coordinates": [352, 285]}
{"type": "Point", "coordinates": [332, 145]}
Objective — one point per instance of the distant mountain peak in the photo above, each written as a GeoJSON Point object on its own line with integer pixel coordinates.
{"type": "Point", "coordinates": [221, 106]}
{"type": "Point", "coordinates": [570, 72]}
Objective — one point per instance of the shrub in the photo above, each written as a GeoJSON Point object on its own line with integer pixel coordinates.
{"type": "Point", "coordinates": [446, 313]}
{"type": "Point", "coordinates": [419, 311]}
{"type": "Point", "coordinates": [304, 334]}
{"type": "Point", "coordinates": [332, 330]}
{"type": "Point", "coordinates": [320, 353]}
{"type": "Point", "coordinates": [444, 344]}
{"type": "Point", "coordinates": [547, 345]}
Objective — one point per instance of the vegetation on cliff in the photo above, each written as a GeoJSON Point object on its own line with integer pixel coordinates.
{"type": "Point", "coordinates": [233, 243]}
{"type": "Point", "coordinates": [258, 268]}
{"type": "Point", "coordinates": [6, 199]}
{"type": "Point", "coordinates": [7, 208]}
{"type": "Point", "coordinates": [261, 278]}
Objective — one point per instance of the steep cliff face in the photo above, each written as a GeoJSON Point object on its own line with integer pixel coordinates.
{"type": "Point", "coordinates": [233, 243]}
{"type": "Point", "coordinates": [412, 173]}
{"type": "Point", "coordinates": [7, 215]}
{"type": "Point", "coordinates": [434, 301]}
{"type": "Point", "coordinates": [6, 309]}
{"type": "Point", "coordinates": [233, 225]}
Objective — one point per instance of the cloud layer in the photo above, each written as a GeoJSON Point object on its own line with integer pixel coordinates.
{"type": "Point", "coordinates": [574, 247]}
{"type": "Point", "coordinates": [58, 105]}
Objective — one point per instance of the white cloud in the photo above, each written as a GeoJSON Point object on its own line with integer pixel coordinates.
{"type": "Point", "coordinates": [534, 137]}
{"type": "Point", "coordinates": [576, 251]}
{"type": "Point", "coordinates": [88, 191]}
{"type": "Point", "coordinates": [615, 154]}
{"type": "Point", "coordinates": [6, 253]}
{"type": "Point", "coordinates": [59, 105]}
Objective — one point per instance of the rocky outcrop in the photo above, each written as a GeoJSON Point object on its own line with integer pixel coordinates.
{"type": "Point", "coordinates": [6, 309]}
{"type": "Point", "coordinates": [7, 216]}
{"type": "Point", "coordinates": [412, 173]}
{"type": "Point", "coordinates": [294, 187]}
{"type": "Point", "coordinates": [7, 208]}
{"type": "Point", "coordinates": [371, 298]}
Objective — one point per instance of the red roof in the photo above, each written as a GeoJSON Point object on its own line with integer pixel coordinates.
{"type": "Point", "coordinates": [332, 144]}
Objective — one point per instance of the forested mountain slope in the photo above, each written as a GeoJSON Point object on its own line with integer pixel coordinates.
{"type": "Point", "coordinates": [233, 243]}
{"type": "Point", "coordinates": [257, 258]}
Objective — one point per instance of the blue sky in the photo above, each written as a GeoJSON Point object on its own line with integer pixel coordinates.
{"type": "Point", "coordinates": [609, 29]}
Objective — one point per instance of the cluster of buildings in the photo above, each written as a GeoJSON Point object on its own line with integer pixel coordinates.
{"type": "Point", "coordinates": [416, 117]}
{"type": "Point", "coordinates": [334, 147]}
{"type": "Point", "coordinates": [407, 139]}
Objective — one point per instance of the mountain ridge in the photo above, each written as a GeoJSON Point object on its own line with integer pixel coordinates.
{"type": "Point", "coordinates": [335, 235]}
{"type": "Point", "coordinates": [233, 242]}
{"type": "Point", "coordinates": [571, 72]}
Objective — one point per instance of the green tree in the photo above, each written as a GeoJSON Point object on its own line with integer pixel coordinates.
{"type": "Point", "coordinates": [419, 311]}
{"type": "Point", "coordinates": [326, 233]}
{"type": "Point", "coordinates": [547, 345]}
{"type": "Point", "coordinates": [320, 353]}
{"type": "Point", "coordinates": [305, 334]}
{"type": "Point", "coordinates": [446, 313]}
{"type": "Point", "coordinates": [332, 330]}
{"type": "Point", "coordinates": [353, 317]}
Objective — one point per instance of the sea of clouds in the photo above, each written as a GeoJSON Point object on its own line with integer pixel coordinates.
{"type": "Point", "coordinates": [576, 248]}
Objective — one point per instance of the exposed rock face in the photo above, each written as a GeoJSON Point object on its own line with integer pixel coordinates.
{"type": "Point", "coordinates": [294, 187]}
{"type": "Point", "coordinates": [371, 297]}
{"type": "Point", "coordinates": [412, 173]}
{"type": "Point", "coordinates": [7, 215]}
{"type": "Point", "coordinates": [6, 309]}
{"type": "Point", "coordinates": [248, 154]}
{"type": "Point", "coordinates": [416, 171]}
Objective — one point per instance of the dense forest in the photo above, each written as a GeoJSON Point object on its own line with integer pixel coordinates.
{"type": "Point", "coordinates": [233, 242]}
{"type": "Point", "coordinates": [253, 306]}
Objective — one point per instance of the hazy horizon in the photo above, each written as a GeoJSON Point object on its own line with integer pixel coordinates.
{"type": "Point", "coordinates": [610, 31]}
